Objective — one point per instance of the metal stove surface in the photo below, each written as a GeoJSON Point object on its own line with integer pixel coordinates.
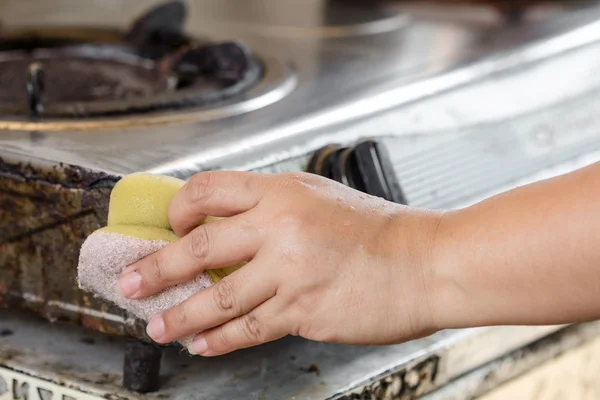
{"type": "Point", "coordinates": [467, 106]}
{"type": "Point", "coordinates": [344, 70]}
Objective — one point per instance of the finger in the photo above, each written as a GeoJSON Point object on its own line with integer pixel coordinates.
{"type": "Point", "coordinates": [222, 243]}
{"type": "Point", "coordinates": [231, 297]}
{"type": "Point", "coordinates": [261, 325]}
{"type": "Point", "coordinates": [216, 193]}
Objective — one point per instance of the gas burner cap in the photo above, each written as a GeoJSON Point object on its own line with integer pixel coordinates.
{"type": "Point", "coordinates": [67, 77]}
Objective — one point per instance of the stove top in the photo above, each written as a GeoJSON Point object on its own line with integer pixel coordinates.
{"type": "Point", "coordinates": [322, 65]}
{"type": "Point", "coordinates": [470, 100]}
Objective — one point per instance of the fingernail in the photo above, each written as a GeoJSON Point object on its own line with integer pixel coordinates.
{"type": "Point", "coordinates": [199, 345]}
{"type": "Point", "coordinates": [130, 283]}
{"type": "Point", "coordinates": [156, 328]}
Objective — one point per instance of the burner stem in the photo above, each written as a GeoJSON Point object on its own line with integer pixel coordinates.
{"type": "Point", "coordinates": [35, 88]}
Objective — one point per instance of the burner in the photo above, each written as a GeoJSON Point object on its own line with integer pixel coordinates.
{"type": "Point", "coordinates": [73, 73]}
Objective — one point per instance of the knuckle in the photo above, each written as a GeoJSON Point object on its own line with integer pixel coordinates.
{"type": "Point", "coordinates": [199, 243]}
{"type": "Point", "coordinates": [198, 188]}
{"type": "Point", "coordinates": [306, 301]}
{"type": "Point", "coordinates": [251, 327]}
{"type": "Point", "coordinates": [222, 340]}
{"type": "Point", "coordinates": [176, 317]}
{"type": "Point", "coordinates": [157, 269]}
{"type": "Point", "coordinates": [290, 257]}
{"type": "Point", "coordinates": [300, 178]}
{"type": "Point", "coordinates": [292, 224]}
{"type": "Point", "coordinates": [223, 296]}
{"type": "Point", "coordinates": [295, 181]}
{"type": "Point", "coordinates": [180, 315]}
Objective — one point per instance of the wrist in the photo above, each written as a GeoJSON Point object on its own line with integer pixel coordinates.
{"type": "Point", "coordinates": [449, 294]}
{"type": "Point", "coordinates": [415, 233]}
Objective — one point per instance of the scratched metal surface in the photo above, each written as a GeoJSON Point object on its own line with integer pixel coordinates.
{"type": "Point", "coordinates": [277, 371]}
{"type": "Point", "coordinates": [459, 166]}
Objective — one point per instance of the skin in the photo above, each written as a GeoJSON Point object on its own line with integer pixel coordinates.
{"type": "Point", "coordinates": [331, 264]}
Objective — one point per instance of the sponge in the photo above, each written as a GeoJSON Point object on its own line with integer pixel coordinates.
{"type": "Point", "coordinates": [138, 225]}
{"type": "Point", "coordinates": [143, 200]}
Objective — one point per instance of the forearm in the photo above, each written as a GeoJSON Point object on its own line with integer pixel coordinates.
{"type": "Point", "coordinates": [529, 256]}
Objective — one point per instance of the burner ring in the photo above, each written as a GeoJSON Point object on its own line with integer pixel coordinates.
{"type": "Point", "coordinates": [168, 100]}
{"type": "Point", "coordinates": [98, 65]}
{"type": "Point", "coordinates": [278, 80]}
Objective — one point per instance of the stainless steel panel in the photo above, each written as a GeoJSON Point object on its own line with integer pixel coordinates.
{"type": "Point", "coordinates": [341, 81]}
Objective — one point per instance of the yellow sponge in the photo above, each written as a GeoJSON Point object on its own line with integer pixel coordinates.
{"type": "Point", "coordinates": [139, 205]}
{"type": "Point", "coordinates": [143, 199]}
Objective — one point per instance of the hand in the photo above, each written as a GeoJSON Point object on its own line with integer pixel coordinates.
{"type": "Point", "coordinates": [325, 262]}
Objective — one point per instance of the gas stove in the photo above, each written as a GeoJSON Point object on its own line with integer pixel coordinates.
{"type": "Point", "coordinates": [431, 105]}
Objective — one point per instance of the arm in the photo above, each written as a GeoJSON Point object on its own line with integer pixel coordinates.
{"type": "Point", "coordinates": [529, 256]}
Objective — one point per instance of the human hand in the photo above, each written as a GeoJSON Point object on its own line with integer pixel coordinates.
{"type": "Point", "coordinates": [325, 262]}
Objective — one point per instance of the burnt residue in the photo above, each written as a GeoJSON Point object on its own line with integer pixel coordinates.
{"type": "Point", "coordinates": [52, 81]}
{"type": "Point", "coordinates": [88, 340]}
{"type": "Point", "coordinates": [34, 200]}
{"type": "Point", "coordinates": [45, 216]}
{"type": "Point", "coordinates": [227, 61]}
{"type": "Point", "coordinates": [106, 378]}
{"type": "Point", "coordinates": [314, 369]}
{"type": "Point", "coordinates": [10, 354]}
{"type": "Point", "coordinates": [18, 235]}
{"type": "Point", "coordinates": [409, 383]}
{"type": "Point", "coordinates": [6, 332]}
{"type": "Point", "coordinates": [64, 175]}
